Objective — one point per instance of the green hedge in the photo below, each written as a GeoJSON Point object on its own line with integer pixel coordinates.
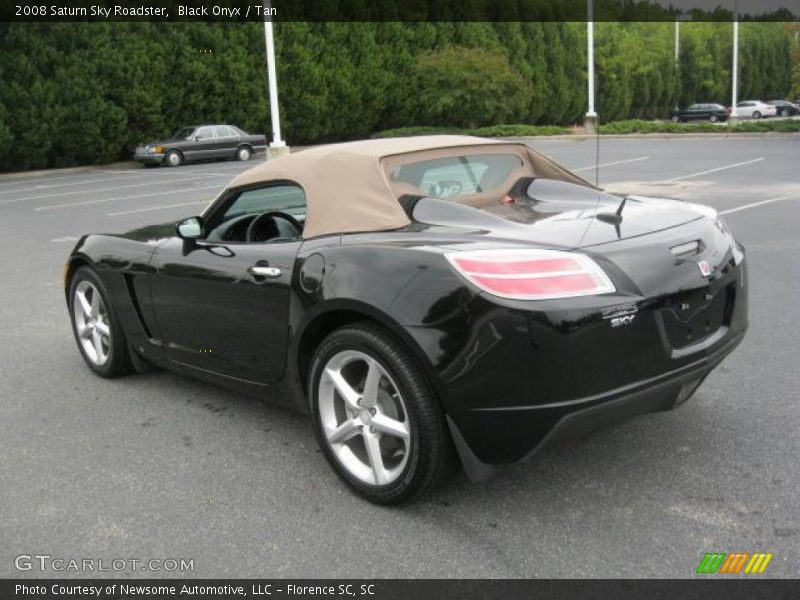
{"type": "Point", "coordinates": [81, 93]}
{"type": "Point", "coordinates": [639, 126]}
{"type": "Point", "coordinates": [489, 131]}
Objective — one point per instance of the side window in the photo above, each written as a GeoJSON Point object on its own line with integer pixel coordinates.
{"type": "Point", "coordinates": [286, 198]}
{"type": "Point", "coordinates": [223, 131]}
{"type": "Point", "coordinates": [205, 133]}
{"type": "Point", "coordinates": [234, 223]}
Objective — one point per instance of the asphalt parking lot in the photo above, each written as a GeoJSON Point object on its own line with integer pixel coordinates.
{"type": "Point", "coordinates": [162, 466]}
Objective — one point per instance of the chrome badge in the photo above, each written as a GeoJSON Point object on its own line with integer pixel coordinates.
{"type": "Point", "coordinates": [705, 268]}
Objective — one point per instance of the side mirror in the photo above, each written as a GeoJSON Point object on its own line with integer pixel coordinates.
{"type": "Point", "coordinates": [190, 229]}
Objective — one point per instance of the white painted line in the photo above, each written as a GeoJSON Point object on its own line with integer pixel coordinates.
{"type": "Point", "coordinates": [45, 186]}
{"type": "Point", "coordinates": [754, 204]}
{"type": "Point", "coordinates": [109, 189]}
{"type": "Point", "coordinates": [741, 164]}
{"type": "Point", "coordinates": [66, 238]}
{"type": "Point", "coordinates": [611, 164]}
{"type": "Point", "coordinates": [162, 177]}
{"type": "Point", "coordinates": [149, 208]}
{"type": "Point", "coordinates": [103, 200]}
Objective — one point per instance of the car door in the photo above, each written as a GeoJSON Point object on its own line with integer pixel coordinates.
{"type": "Point", "coordinates": [222, 305]}
{"type": "Point", "coordinates": [227, 141]}
{"type": "Point", "coordinates": [204, 144]}
{"type": "Point", "coordinates": [744, 109]}
{"type": "Point", "coordinates": [694, 112]}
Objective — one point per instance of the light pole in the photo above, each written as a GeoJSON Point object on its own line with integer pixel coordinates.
{"type": "Point", "coordinates": [735, 68]}
{"type": "Point", "coordinates": [278, 146]}
{"type": "Point", "coordinates": [678, 19]}
{"type": "Point", "coordinates": [590, 123]}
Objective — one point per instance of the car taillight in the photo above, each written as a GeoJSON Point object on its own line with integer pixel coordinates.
{"type": "Point", "coordinates": [531, 274]}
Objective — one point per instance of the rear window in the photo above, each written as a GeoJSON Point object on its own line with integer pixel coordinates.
{"type": "Point", "coordinates": [453, 176]}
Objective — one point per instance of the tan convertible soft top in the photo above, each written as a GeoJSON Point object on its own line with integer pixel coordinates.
{"type": "Point", "coordinates": [346, 185]}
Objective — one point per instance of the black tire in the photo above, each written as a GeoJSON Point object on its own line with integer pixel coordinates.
{"type": "Point", "coordinates": [173, 158]}
{"type": "Point", "coordinates": [118, 362]}
{"type": "Point", "coordinates": [713, 118]}
{"type": "Point", "coordinates": [431, 454]}
{"type": "Point", "coordinates": [756, 114]}
{"type": "Point", "coordinates": [243, 153]}
{"type": "Point", "coordinates": [676, 119]}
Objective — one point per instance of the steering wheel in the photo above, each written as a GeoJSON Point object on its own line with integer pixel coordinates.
{"type": "Point", "coordinates": [270, 214]}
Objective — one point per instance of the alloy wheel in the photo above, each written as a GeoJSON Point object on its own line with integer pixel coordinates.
{"type": "Point", "coordinates": [91, 323]}
{"type": "Point", "coordinates": [364, 418]}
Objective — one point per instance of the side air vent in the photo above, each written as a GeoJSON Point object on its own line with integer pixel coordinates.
{"type": "Point", "coordinates": [688, 249]}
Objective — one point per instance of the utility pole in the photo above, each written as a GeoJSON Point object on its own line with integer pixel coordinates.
{"type": "Point", "coordinates": [590, 123]}
{"type": "Point", "coordinates": [735, 69]}
{"type": "Point", "coordinates": [278, 146]}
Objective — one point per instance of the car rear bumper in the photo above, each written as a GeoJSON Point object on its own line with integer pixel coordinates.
{"type": "Point", "coordinates": [573, 420]}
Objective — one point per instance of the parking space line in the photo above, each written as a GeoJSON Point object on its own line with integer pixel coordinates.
{"type": "Point", "coordinates": [149, 208]}
{"type": "Point", "coordinates": [754, 204]}
{"type": "Point", "coordinates": [108, 189]}
{"type": "Point", "coordinates": [611, 164]}
{"type": "Point", "coordinates": [43, 186]}
{"type": "Point", "coordinates": [118, 198]}
{"type": "Point", "coordinates": [740, 164]}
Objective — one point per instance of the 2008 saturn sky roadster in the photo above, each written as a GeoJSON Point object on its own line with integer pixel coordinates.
{"type": "Point", "coordinates": [426, 300]}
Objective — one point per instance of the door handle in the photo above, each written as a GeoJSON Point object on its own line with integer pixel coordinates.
{"type": "Point", "coordinates": [262, 271]}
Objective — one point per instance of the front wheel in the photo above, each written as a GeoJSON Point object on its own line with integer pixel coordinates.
{"type": "Point", "coordinates": [376, 417]}
{"type": "Point", "coordinates": [98, 333]}
{"type": "Point", "coordinates": [713, 118]}
{"type": "Point", "coordinates": [676, 119]}
{"type": "Point", "coordinates": [173, 159]}
{"type": "Point", "coordinates": [756, 115]}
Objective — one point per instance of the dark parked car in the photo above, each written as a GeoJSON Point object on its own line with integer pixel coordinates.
{"type": "Point", "coordinates": [201, 142]}
{"type": "Point", "coordinates": [425, 299]}
{"type": "Point", "coordinates": [705, 112]}
{"type": "Point", "coordinates": [784, 108]}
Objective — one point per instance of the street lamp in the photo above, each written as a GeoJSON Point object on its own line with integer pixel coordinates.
{"type": "Point", "coordinates": [678, 19]}
{"type": "Point", "coordinates": [735, 69]}
{"type": "Point", "coordinates": [278, 146]}
{"type": "Point", "coordinates": [590, 123]}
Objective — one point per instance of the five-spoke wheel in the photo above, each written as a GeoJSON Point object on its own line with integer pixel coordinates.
{"type": "Point", "coordinates": [100, 339]}
{"type": "Point", "coordinates": [377, 419]}
{"type": "Point", "coordinates": [364, 417]}
{"type": "Point", "coordinates": [91, 322]}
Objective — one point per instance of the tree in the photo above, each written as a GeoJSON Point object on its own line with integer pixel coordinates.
{"type": "Point", "coordinates": [468, 87]}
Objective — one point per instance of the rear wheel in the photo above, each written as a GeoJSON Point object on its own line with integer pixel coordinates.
{"type": "Point", "coordinates": [243, 153]}
{"type": "Point", "coordinates": [713, 118]}
{"type": "Point", "coordinates": [376, 417]}
{"type": "Point", "coordinates": [97, 331]}
{"type": "Point", "coordinates": [675, 119]}
{"type": "Point", "coordinates": [756, 114]}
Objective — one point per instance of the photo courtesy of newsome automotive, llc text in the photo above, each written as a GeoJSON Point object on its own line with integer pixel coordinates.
{"type": "Point", "coordinates": [399, 299]}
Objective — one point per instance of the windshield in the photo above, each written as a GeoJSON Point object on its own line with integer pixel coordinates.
{"type": "Point", "coordinates": [184, 133]}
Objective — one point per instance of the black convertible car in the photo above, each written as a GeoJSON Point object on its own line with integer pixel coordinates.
{"type": "Point", "coordinates": [201, 142]}
{"type": "Point", "coordinates": [425, 299]}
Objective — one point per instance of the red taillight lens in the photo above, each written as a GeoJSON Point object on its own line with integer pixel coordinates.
{"type": "Point", "coordinates": [532, 274]}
